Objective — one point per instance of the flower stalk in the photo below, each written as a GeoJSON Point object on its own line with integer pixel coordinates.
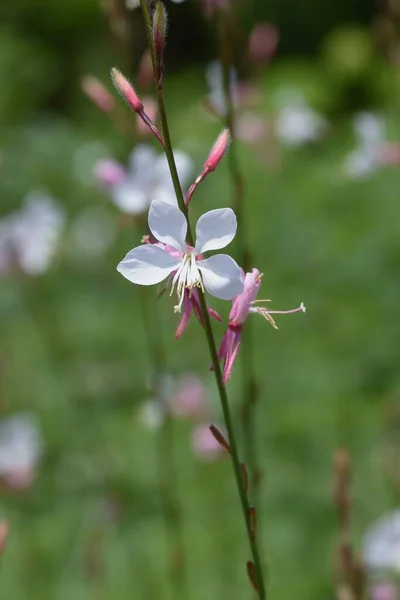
{"type": "Point", "coordinates": [258, 582]}
{"type": "Point", "coordinates": [250, 385]}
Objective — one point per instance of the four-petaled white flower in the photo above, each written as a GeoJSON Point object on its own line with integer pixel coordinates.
{"type": "Point", "coordinates": [151, 263]}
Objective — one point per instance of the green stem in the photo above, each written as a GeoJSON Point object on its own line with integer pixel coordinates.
{"type": "Point", "coordinates": [240, 483]}
{"type": "Point", "coordinates": [249, 382]}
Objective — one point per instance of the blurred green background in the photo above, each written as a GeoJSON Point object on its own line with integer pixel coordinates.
{"type": "Point", "coordinates": [73, 344]}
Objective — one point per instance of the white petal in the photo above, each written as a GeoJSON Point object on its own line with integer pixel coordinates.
{"type": "Point", "coordinates": [130, 198]}
{"type": "Point", "coordinates": [221, 276]}
{"type": "Point", "coordinates": [147, 265]}
{"type": "Point", "coordinates": [142, 161]}
{"type": "Point", "coordinates": [215, 230]}
{"type": "Point", "coordinates": [168, 224]}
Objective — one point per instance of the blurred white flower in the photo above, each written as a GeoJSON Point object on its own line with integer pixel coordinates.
{"type": "Point", "coordinates": [298, 124]}
{"type": "Point", "coordinates": [152, 414]}
{"type": "Point", "coordinates": [382, 544]}
{"type": "Point", "coordinates": [214, 79]}
{"type": "Point", "coordinates": [366, 157]}
{"type": "Point", "coordinates": [91, 234]}
{"type": "Point", "coordinates": [29, 237]}
{"type": "Point", "coordinates": [147, 177]}
{"type": "Point", "coordinates": [21, 447]}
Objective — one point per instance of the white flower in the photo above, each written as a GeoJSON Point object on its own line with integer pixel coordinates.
{"type": "Point", "coordinates": [21, 446]}
{"type": "Point", "coordinates": [382, 544]}
{"type": "Point", "coordinates": [215, 82]}
{"type": "Point", "coordinates": [370, 134]}
{"type": "Point", "coordinates": [147, 177]}
{"type": "Point", "coordinates": [29, 237]}
{"type": "Point", "coordinates": [149, 264]}
{"type": "Point", "coordinates": [299, 124]}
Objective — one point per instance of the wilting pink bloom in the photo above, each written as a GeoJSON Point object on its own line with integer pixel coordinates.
{"type": "Point", "coordinates": [204, 444]}
{"type": "Point", "coordinates": [242, 306]}
{"type": "Point", "coordinates": [191, 304]}
{"type": "Point", "coordinates": [189, 399]}
{"type": "Point", "coordinates": [263, 42]}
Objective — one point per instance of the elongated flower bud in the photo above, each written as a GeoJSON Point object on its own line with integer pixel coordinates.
{"type": "Point", "coordinates": [218, 150]}
{"type": "Point", "coordinates": [126, 90]}
{"type": "Point", "coordinates": [217, 153]}
{"type": "Point", "coordinates": [159, 34]}
{"type": "Point", "coordinates": [97, 93]}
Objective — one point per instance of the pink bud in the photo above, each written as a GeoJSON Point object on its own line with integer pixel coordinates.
{"type": "Point", "coordinates": [97, 93]}
{"type": "Point", "coordinates": [218, 151]}
{"type": "Point", "coordinates": [126, 90]}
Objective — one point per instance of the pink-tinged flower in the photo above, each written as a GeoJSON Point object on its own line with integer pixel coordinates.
{"type": "Point", "coordinates": [109, 173]}
{"type": "Point", "coordinates": [263, 42]}
{"type": "Point", "coordinates": [150, 264]}
{"type": "Point", "coordinates": [384, 590]}
{"type": "Point", "coordinates": [242, 306]}
{"type": "Point", "coordinates": [146, 177]}
{"type": "Point", "coordinates": [372, 150]}
{"type": "Point", "coordinates": [189, 399]}
{"type": "Point", "coordinates": [204, 444]}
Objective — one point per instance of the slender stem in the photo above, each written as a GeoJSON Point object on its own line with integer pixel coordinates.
{"type": "Point", "coordinates": [240, 483]}
{"type": "Point", "coordinates": [249, 383]}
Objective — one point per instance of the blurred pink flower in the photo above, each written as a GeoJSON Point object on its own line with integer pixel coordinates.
{"type": "Point", "coordinates": [109, 172]}
{"type": "Point", "coordinates": [384, 590]}
{"type": "Point", "coordinates": [209, 6]}
{"type": "Point", "coordinates": [251, 128]}
{"type": "Point", "coordinates": [204, 444]}
{"type": "Point", "coordinates": [189, 400]}
{"type": "Point", "coordinates": [263, 42]}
